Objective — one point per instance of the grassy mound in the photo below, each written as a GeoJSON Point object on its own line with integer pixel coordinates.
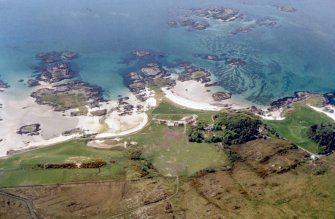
{"type": "Point", "coordinates": [171, 153]}
{"type": "Point", "coordinates": [294, 128]}
{"type": "Point", "coordinates": [19, 169]}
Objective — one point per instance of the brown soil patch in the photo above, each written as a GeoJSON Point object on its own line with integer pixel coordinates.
{"type": "Point", "coordinates": [92, 200]}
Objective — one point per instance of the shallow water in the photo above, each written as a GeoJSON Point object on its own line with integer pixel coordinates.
{"type": "Point", "coordinates": [296, 54]}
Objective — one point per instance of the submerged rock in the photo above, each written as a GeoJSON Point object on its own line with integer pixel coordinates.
{"type": "Point", "coordinates": [32, 83]}
{"type": "Point", "coordinates": [235, 61]}
{"type": "Point", "coordinates": [141, 53]}
{"type": "Point", "coordinates": [69, 55]}
{"type": "Point", "coordinates": [245, 29]}
{"type": "Point", "coordinates": [55, 56]}
{"type": "Point", "coordinates": [200, 25]}
{"type": "Point", "coordinates": [267, 21]}
{"type": "Point", "coordinates": [286, 8]}
{"type": "Point", "coordinates": [3, 85]}
{"type": "Point", "coordinates": [173, 24]}
{"type": "Point", "coordinates": [209, 57]}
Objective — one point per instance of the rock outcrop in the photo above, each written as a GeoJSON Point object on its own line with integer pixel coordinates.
{"type": "Point", "coordinates": [32, 129]}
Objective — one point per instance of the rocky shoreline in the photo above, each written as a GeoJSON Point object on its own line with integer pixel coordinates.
{"type": "Point", "coordinates": [55, 85]}
{"type": "Point", "coordinates": [55, 73]}
{"type": "Point", "coordinates": [70, 95]}
{"type": "Point", "coordinates": [149, 74]}
{"type": "Point", "coordinates": [152, 74]}
{"type": "Point", "coordinates": [287, 102]}
{"type": "Point", "coordinates": [62, 93]}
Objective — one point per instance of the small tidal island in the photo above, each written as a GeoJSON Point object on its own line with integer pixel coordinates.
{"type": "Point", "coordinates": [200, 18]}
{"type": "Point", "coordinates": [71, 95]}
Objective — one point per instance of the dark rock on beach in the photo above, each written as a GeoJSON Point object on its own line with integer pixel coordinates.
{"type": "Point", "coordinates": [219, 96]}
{"type": "Point", "coordinates": [101, 112]}
{"type": "Point", "coordinates": [32, 129]}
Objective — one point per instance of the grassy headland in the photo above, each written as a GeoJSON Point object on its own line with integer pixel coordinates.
{"type": "Point", "coordinates": [294, 128]}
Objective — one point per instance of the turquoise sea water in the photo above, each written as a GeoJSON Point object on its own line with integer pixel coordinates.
{"type": "Point", "coordinates": [298, 53]}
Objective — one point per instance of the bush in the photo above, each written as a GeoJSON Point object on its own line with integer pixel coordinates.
{"type": "Point", "coordinates": [134, 154]}
{"type": "Point", "coordinates": [324, 135]}
{"type": "Point", "coordinates": [227, 128]}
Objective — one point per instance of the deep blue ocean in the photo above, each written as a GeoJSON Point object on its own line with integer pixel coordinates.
{"type": "Point", "coordinates": [298, 53]}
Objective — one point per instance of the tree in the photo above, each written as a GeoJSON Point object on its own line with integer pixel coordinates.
{"type": "Point", "coordinates": [324, 135]}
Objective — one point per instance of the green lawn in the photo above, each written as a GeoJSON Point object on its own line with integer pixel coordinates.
{"type": "Point", "coordinates": [294, 127]}
{"type": "Point", "coordinates": [167, 110]}
{"type": "Point", "coordinates": [171, 153]}
{"type": "Point", "coordinates": [17, 170]}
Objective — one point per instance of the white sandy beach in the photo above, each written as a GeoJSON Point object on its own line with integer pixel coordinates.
{"type": "Point", "coordinates": [274, 115]}
{"type": "Point", "coordinates": [19, 111]}
{"type": "Point", "coordinates": [322, 110]}
{"type": "Point", "coordinates": [123, 125]}
{"type": "Point", "coordinates": [194, 95]}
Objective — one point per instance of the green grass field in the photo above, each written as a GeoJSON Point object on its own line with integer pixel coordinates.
{"type": "Point", "coordinates": [167, 110]}
{"type": "Point", "coordinates": [294, 127]}
{"type": "Point", "coordinates": [18, 170]}
{"type": "Point", "coordinates": [171, 153]}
